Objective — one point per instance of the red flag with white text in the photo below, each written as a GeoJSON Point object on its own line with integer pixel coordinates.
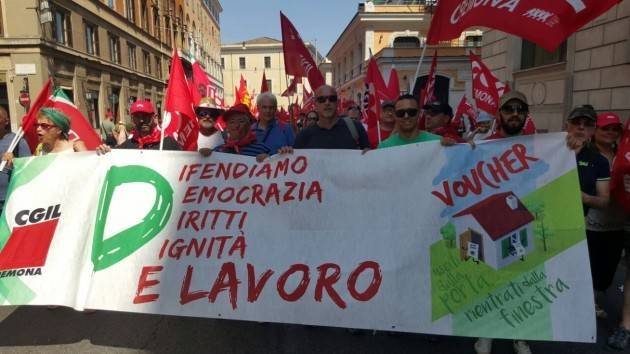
{"type": "Point", "coordinates": [545, 22]}
{"type": "Point", "coordinates": [180, 120]}
{"type": "Point", "coordinates": [298, 61]}
{"type": "Point", "coordinates": [308, 101]}
{"type": "Point", "coordinates": [487, 89]}
{"type": "Point", "coordinates": [375, 92]}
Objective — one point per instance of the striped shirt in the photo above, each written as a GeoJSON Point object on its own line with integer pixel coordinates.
{"type": "Point", "coordinates": [253, 149]}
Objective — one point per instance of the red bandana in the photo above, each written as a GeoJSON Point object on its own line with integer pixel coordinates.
{"type": "Point", "coordinates": [237, 144]}
{"type": "Point", "coordinates": [152, 138]}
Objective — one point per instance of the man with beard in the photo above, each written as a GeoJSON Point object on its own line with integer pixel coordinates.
{"type": "Point", "coordinates": [407, 114]}
{"type": "Point", "coordinates": [145, 135]}
{"type": "Point", "coordinates": [268, 129]}
{"type": "Point", "coordinates": [207, 114]}
{"type": "Point", "coordinates": [513, 110]}
{"type": "Point", "coordinates": [330, 131]}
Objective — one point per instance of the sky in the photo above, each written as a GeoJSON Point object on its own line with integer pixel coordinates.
{"type": "Point", "coordinates": [318, 21]}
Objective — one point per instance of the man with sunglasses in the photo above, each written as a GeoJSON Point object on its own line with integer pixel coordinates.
{"type": "Point", "coordinates": [407, 115]}
{"type": "Point", "coordinates": [512, 115]}
{"type": "Point", "coordinates": [145, 135]}
{"type": "Point", "coordinates": [387, 123]}
{"type": "Point", "coordinates": [330, 131]}
{"type": "Point", "coordinates": [438, 116]}
{"type": "Point", "coordinates": [268, 129]}
{"type": "Point", "coordinates": [207, 114]}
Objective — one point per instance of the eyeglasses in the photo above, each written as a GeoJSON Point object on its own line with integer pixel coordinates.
{"type": "Point", "coordinates": [206, 114]}
{"type": "Point", "coordinates": [410, 113]}
{"type": "Point", "coordinates": [323, 99]}
{"type": "Point", "coordinates": [44, 126]}
{"type": "Point", "coordinates": [315, 119]}
{"type": "Point", "coordinates": [514, 108]}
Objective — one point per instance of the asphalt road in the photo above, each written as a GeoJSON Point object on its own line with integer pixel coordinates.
{"type": "Point", "coordinates": [29, 329]}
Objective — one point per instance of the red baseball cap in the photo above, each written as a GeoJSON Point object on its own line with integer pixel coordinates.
{"type": "Point", "coordinates": [237, 109]}
{"type": "Point", "coordinates": [142, 106]}
{"type": "Point", "coordinates": [607, 118]}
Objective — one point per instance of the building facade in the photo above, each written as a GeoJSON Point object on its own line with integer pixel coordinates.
{"type": "Point", "coordinates": [253, 57]}
{"type": "Point", "coordinates": [394, 32]}
{"type": "Point", "coordinates": [104, 53]}
{"type": "Point", "coordinates": [591, 67]}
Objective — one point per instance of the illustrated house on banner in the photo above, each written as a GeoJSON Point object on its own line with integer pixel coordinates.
{"type": "Point", "coordinates": [497, 231]}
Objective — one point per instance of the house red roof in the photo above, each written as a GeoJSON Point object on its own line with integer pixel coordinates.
{"type": "Point", "coordinates": [496, 216]}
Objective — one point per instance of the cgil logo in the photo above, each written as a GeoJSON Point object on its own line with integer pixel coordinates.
{"type": "Point", "coordinates": [467, 5]}
{"type": "Point", "coordinates": [34, 216]}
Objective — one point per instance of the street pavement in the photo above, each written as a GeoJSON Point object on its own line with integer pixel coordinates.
{"type": "Point", "coordinates": [30, 329]}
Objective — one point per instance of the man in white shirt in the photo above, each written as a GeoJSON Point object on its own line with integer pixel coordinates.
{"type": "Point", "coordinates": [207, 114]}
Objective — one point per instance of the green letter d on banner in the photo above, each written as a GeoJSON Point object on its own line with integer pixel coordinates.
{"type": "Point", "coordinates": [106, 253]}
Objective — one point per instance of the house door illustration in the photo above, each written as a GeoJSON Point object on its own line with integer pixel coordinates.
{"type": "Point", "coordinates": [464, 238]}
{"type": "Point", "coordinates": [478, 239]}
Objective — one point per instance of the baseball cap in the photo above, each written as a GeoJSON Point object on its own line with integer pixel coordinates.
{"type": "Point", "coordinates": [439, 107]}
{"type": "Point", "coordinates": [585, 111]}
{"type": "Point", "coordinates": [484, 117]}
{"type": "Point", "coordinates": [388, 103]}
{"type": "Point", "coordinates": [208, 103]}
{"type": "Point", "coordinates": [142, 106]}
{"type": "Point", "coordinates": [237, 109]}
{"type": "Point", "coordinates": [512, 95]}
{"type": "Point", "coordinates": [607, 118]}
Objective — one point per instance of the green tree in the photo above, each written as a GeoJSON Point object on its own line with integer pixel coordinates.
{"type": "Point", "coordinates": [541, 231]}
{"type": "Point", "coordinates": [449, 233]}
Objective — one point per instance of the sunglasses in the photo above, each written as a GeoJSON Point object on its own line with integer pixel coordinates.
{"type": "Point", "coordinates": [410, 113]}
{"type": "Point", "coordinates": [514, 108]}
{"type": "Point", "coordinates": [323, 99]}
{"type": "Point", "coordinates": [312, 118]}
{"type": "Point", "coordinates": [44, 126]}
{"type": "Point", "coordinates": [142, 117]}
{"type": "Point", "coordinates": [208, 114]}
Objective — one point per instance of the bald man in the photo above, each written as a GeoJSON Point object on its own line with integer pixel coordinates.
{"type": "Point", "coordinates": [330, 131]}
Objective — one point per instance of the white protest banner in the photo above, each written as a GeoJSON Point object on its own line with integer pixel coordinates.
{"type": "Point", "coordinates": [422, 238]}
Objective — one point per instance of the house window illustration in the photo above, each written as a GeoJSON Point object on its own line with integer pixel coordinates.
{"type": "Point", "coordinates": [499, 229]}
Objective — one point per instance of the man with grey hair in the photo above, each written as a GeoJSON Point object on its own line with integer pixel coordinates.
{"type": "Point", "coordinates": [21, 150]}
{"type": "Point", "coordinates": [268, 129]}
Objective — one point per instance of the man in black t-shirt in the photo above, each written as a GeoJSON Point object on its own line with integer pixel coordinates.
{"type": "Point", "coordinates": [330, 131]}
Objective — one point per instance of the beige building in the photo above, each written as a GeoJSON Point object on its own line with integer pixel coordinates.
{"type": "Point", "coordinates": [253, 57]}
{"type": "Point", "coordinates": [104, 54]}
{"type": "Point", "coordinates": [591, 67]}
{"type": "Point", "coordinates": [393, 31]}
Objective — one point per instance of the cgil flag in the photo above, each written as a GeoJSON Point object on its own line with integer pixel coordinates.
{"type": "Point", "coordinates": [28, 121]}
{"type": "Point", "coordinates": [545, 22]}
{"type": "Point", "coordinates": [487, 89]}
{"type": "Point", "coordinates": [298, 61]}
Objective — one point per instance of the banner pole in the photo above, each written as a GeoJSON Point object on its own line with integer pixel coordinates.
{"type": "Point", "coordinates": [412, 86]}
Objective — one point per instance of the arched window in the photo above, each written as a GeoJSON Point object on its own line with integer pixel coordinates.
{"type": "Point", "coordinates": [406, 42]}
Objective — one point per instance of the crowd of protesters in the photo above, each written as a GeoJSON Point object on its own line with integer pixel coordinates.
{"type": "Point", "coordinates": [593, 137]}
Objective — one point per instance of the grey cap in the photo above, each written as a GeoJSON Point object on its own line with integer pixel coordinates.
{"type": "Point", "coordinates": [512, 95]}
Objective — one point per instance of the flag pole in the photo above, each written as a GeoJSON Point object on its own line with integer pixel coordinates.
{"type": "Point", "coordinates": [12, 146]}
{"type": "Point", "coordinates": [412, 86]}
{"type": "Point", "coordinates": [162, 131]}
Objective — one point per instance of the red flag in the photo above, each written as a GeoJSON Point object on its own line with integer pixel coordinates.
{"type": "Point", "coordinates": [30, 135]}
{"type": "Point", "coordinates": [283, 115]}
{"type": "Point", "coordinates": [80, 128]}
{"type": "Point", "coordinates": [427, 94]}
{"type": "Point", "coordinates": [237, 97]}
{"type": "Point", "coordinates": [180, 120]}
{"type": "Point", "coordinates": [530, 127]}
{"type": "Point", "coordinates": [263, 86]}
{"type": "Point", "coordinates": [298, 61]}
{"type": "Point", "coordinates": [243, 95]}
{"type": "Point", "coordinates": [621, 170]}
{"type": "Point", "coordinates": [308, 102]}
{"type": "Point", "coordinates": [393, 86]}
{"type": "Point", "coordinates": [375, 92]}
{"type": "Point", "coordinates": [487, 89]}
{"type": "Point", "coordinates": [464, 108]}
{"type": "Point", "coordinates": [201, 86]}
{"type": "Point", "coordinates": [292, 89]}
{"type": "Point", "coordinates": [544, 22]}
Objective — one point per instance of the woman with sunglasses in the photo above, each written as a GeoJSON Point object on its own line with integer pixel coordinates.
{"type": "Point", "coordinates": [52, 129]}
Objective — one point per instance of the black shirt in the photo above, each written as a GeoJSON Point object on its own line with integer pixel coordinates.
{"type": "Point", "coordinates": [592, 167]}
{"type": "Point", "coordinates": [337, 137]}
{"type": "Point", "coordinates": [169, 144]}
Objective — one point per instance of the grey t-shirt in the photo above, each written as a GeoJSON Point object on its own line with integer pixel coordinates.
{"type": "Point", "coordinates": [21, 150]}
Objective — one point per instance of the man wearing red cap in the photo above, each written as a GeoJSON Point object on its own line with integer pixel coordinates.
{"type": "Point", "coordinates": [146, 135]}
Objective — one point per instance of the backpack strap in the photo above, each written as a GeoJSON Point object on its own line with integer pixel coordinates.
{"type": "Point", "coordinates": [352, 128]}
